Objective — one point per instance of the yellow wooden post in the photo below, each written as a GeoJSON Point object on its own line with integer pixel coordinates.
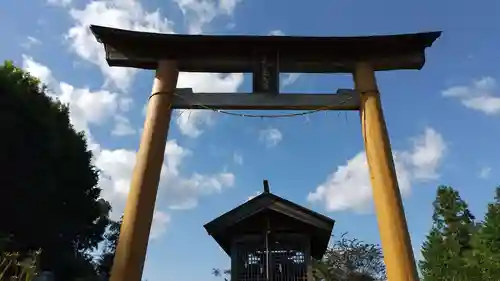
{"type": "Point", "coordinates": [131, 250]}
{"type": "Point", "coordinates": [396, 244]}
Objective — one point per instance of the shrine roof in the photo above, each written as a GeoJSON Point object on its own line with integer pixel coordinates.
{"type": "Point", "coordinates": [318, 226]}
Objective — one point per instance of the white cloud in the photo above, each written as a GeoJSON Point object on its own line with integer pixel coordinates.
{"type": "Point", "coordinates": [115, 183]}
{"type": "Point", "coordinates": [425, 155]}
{"type": "Point", "coordinates": [125, 14]}
{"type": "Point", "coordinates": [122, 127]}
{"type": "Point", "coordinates": [485, 172]}
{"type": "Point", "coordinates": [210, 82]}
{"type": "Point", "coordinates": [479, 95]}
{"type": "Point", "coordinates": [271, 136]}
{"type": "Point", "coordinates": [159, 224]}
{"type": "Point", "coordinates": [276, 32]}
{"type": "Point", "coordinates": [125, 104]}
{"type": "Point", "coordinates": [86, 107]}
{"type": "Point", "coordinates": [130, 14]}
{"type": "Point", "coordinates": [192, 122]}
{"type": "Point", "coordinates": [94, 107]}
{"type": "Point", "coordinates": [176, 190]}
{"type": "Point", "coordinates": [349, 187]}
{"type": "Point", "coordinates": [200, 13]}
{"type": "Point", "coordinates": [30, 42]}
{"type": "Point", "coordinates": [290, 78]}
{"type": "Point", "coordinates": [238, 158]}
{"type": "Point", "coordinates": [257, 193]}
{"type": "Point", "coordinates": [59, 2]}
{"type": "Point", "coordinates": [38, 70]}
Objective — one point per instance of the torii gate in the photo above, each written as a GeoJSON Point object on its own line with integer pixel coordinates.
{"type": "Point", "coordinates": [265, 57]}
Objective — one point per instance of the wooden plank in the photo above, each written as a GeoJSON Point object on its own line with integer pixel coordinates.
{"type": "Point", "coordinates": [342, 100]}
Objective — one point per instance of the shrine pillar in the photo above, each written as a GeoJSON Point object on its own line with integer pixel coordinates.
{"type": "Point", "coordinates": [130, 254]}
{"type": "Point", "coordinates": [396, 244]}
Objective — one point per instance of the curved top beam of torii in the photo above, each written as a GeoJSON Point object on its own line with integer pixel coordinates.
{"type": "Point", "coordinates": [225, 54]}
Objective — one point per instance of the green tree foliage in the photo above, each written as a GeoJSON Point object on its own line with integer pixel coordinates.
{"type": "Point", "coordinates": [487, 257]}
{"type": "Point", "coordinates": [448, 247]}
{"type": "Point", "coordinates": [218, 273]}
{"type": "Point", "coordinates": [347, 259]}
{"type": "Point", "coordinates": [48, 186]}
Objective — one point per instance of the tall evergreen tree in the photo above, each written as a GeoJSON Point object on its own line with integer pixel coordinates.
{"type": "Point", "coordinates": [488, 242]}
{"type": "Point", "coordinates": [448, 246]}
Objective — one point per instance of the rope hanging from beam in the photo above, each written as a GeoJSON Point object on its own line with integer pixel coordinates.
{"type": "Point", "coordinates": [285, 115]}
{"type": "Point", "coordinates": [248, 115]}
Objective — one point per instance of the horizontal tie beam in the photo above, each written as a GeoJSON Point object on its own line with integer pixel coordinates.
{"type": "Point", "coordinates": [344, 99]}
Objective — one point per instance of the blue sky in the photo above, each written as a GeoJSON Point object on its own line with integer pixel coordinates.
{"type": "Point", "coordinates": [442, 120]}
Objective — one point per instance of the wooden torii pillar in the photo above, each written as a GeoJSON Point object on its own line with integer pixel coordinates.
{"type": "Point", "coordinates": [265, 57]}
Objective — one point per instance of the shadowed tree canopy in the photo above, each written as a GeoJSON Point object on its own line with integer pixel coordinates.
{"type": "Point", "coordinates": [49, 197]}
{"type": "Point", "coordinates": [351, 259]}
{"type": "Point", "coordinates": [105, 260]}
{"type": "Point", "coordinates": [347, 259]}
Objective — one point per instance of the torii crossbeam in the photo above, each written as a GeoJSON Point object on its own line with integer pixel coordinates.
{"type": "Point", "coordinates": [266, 57]}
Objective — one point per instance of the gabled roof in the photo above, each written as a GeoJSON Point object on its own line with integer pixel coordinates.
{"type": "Point", "coordinates": [223, 53]}
{"type": "Point", "coordinates": [319, 226]}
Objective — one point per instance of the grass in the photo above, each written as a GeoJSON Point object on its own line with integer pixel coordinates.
{"type": "Point", "coordinates": [14, 267]}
